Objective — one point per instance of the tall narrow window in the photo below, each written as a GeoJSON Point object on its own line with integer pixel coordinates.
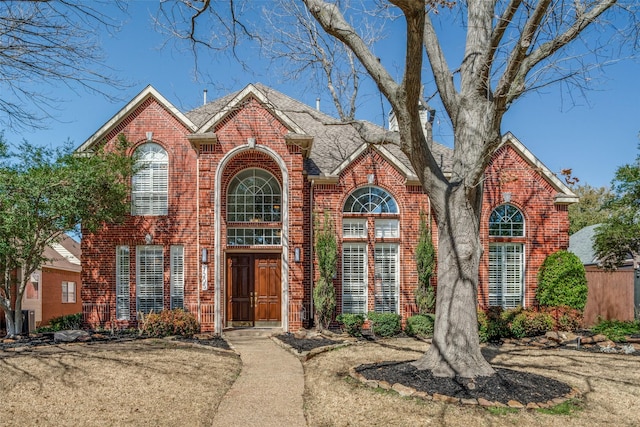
{"type": "Point", "coordinates": [354, 278]}
{"type": "Point", "coordinates": [506, 274]}
{"type": "Point", "coordinates": [177, 277]}
{"type": "Point", "coordinates": [150, 184]}
{"type": "Point", "coordinates": [123, 286]}
{"type": "Point", "coordinates": [150, 279]}
{"type": "Point", "coordinates": [370, 207]}
{"type": "Point", "coordinates": [386, 278]}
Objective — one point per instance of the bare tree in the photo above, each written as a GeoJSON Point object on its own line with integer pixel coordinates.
{"type": "Point", "coordinates": [512, 47]}
{"type": "Point", "coordinates": [51, 43]}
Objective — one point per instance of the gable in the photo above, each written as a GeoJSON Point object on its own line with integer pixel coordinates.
{"type": "Point", "coordinates": [561, 192]}
{"type": "Point", "coordinates": [146, 97]}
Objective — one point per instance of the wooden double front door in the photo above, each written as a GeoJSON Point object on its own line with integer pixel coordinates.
{"type": "Point", "coordinates": [254, 290]}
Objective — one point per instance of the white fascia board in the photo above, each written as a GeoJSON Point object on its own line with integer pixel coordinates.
{"type": "Point", "coordinates": [408, 174]}
{"type": "Point", "coordinates": [250, 90]}
{"type": "Point", "coordinates": [146, 93]}
{"type": "Point", "coordinates": [566, 196]}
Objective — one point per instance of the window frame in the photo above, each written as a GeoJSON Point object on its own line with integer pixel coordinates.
{"type": "Point", "coordinates": [123, 282]}
{"type": "Point", "coordinates": [69, 292]}
{"type": "Point", "coordinates": [501, 222]}
{"type": "Point", "coordinates": [498, 291]}
{"type": "Point", "coordinates": [355, 290]}
{"type": "Point", "coordinates": [177, 276]}
{"type": "Point", "coordinates": [150, 183]}
{"type": "Point", "coordinates": [149, 281]}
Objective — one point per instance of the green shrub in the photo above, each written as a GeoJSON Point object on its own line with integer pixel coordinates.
{"type": "Point", "coordinates": [420, 325]}
{"type": "Point", "coordinates": [494, 323]}
{"type": "Point", "coordinates": [351, 323]}
{"type": "Point", "coordinates": [562, 281]}
{"type": "Point", "coordinates": [170, 322]}
{"type": "Point", "coordinates": [385, 324]}
{"type": "Point", "coordinates": [425, 294]}
{"type": "Point", "coordinates": [530, 323]}
{"type": "Point", "coordinates": [565, 318]}
{"type": "Point", "coordinates": [616, 330]}
{"type": "Point", "coordinates": [326, 249]}
{"type": "Point", "coordinates": [62, 323]}
{"type": "Point", "coordinates": [324, 301]}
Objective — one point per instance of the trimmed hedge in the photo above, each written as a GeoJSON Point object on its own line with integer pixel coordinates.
{"type": "Point", "coordinates": [170, 322]}
{"type": "Point", "coordinates": [351, 323]}
{"type": "Point", "coordinates": [385, 324]}
{"type": "Point", "coordinates": [420, 325]}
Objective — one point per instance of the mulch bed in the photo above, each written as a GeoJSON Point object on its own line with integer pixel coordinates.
{"type": "Point", "coordinates": [47, 338]}
{"type": "Point", "coordinates": [305, 344]}
{"type": "Point", "coordinates": [504, 386]}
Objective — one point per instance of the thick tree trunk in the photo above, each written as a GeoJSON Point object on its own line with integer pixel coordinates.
{"type": "Point", "coordinates": [455, 348]}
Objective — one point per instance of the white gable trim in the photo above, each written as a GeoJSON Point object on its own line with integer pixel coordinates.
{"type": "Point", "coordinates": [565, 196]}
{"type": "Point", "coordinates": [146, 93]}
{"type": "Point", "coordinates": [383, 152]}
{"type": "Point", "coordinates": [250, 90]}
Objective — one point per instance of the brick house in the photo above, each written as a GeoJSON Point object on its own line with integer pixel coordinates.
{"type": "Point", "coordinates": [54, 289]}
{"type": "Point", "coordinates": [222, 213]}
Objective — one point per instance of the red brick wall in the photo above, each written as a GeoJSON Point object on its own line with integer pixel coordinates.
{"type": "Point", "coordinates": [51, 284]}
{"type": "Point", "coordinates": [192, 184]}
{"type": "Point", "coordinates": [546, 223]}
{"type": "Point", "coordinates": [176, 228]}
{"type": "Point", "coordinates": [411, 201]}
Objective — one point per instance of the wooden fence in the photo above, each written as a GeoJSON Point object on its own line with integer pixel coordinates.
{"type": "Point", "coordinates": [611, 295]}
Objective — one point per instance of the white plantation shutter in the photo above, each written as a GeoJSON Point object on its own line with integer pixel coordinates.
{"type": "Point", "coordinates": [150, 184]}
{"type": "Point", "coordinates": [387, 228]}
{"type": "Point", "coordinates": [123, 286]}
{"type": "Point", "coordinates": [506, 274]}
{"type": "Point", "coordinates": [354, 278]}
{"type": "Point", "coordinates": [386, 278]}
{"type": "Point", "coordinates": [354, 228]}
{"type": "Point", "coordinates": [68, 292]}
{"type": "Point", "coordinates": [150, 279]}
{"type": "Point", "coordinates": [177, 277]}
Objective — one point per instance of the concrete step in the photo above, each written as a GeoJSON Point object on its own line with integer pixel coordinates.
{"type": "Point", "coordinates": [250, 332]}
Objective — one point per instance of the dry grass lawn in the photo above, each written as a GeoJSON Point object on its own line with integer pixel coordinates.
{"type": "Point", "coordinates": [142, 383]}
{"type": "Point", "coordinates": [165, 383]}
{"type": "Point", "coordinates": [610, 385]}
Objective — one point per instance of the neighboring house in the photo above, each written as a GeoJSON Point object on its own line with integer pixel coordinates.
{"type": "Point", "coordinates": [54, 289]}
{"type": "Point", "coordinates": [612, 294]}
{"type": "Point", "coordinates": [223, 207]}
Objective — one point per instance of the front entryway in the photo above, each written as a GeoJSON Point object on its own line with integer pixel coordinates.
{"type": "Point", "coordinates": [254, 290]}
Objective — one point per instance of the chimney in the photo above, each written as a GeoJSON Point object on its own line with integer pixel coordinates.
{"type": "Point", "coordinates": [204, 95]}
{"type": "Point", "coordinates": [318, 104]}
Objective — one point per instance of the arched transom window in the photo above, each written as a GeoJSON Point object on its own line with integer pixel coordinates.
{"type": "Point", "coordinates": [150, 183]}
{"type": "Point", "coordinates": [370, 207]}
{"type": "Point", "coordinates": [254, 197]}
{"type": "Point", "coordinates": [506, 221]}
{"type": "Point", "coordinates": [370, 200]}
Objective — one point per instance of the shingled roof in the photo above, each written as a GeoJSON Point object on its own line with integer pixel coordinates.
{"type": "Point", "coordinates": [334, 142]}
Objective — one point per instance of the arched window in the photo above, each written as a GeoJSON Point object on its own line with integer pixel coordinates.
{"type": "Point", "coordinates": [506, 258]}
{"type": "Point", "coordinates": [370, 200]}
{"type": "Point", "coordinates": [254, 196]}
{"type": "Point", "coordinates": [150, 184]}
{"type": "Point", "coordinates": [506, 221]}
{"type": "Point", "coordinates": [359, 253]}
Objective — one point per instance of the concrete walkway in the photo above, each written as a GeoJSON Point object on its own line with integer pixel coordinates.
{"type": "Point", "coordinates": [269, 389]}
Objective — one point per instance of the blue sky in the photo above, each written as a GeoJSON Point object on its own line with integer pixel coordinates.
{"type": "Point", "coordinates": [592, 135]}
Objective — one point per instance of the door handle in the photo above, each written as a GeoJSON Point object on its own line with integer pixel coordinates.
{"type": "Point", "coordinates": [251, 303]}
{"type": "Point", "coordinates": [255, 296]}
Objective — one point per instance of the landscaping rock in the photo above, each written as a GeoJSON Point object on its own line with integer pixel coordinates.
{"type": "Point", "coordinates": [71, 336]}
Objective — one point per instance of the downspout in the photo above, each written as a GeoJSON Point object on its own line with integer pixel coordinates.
{"type": "Point", "coordinates": [311, 314]}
